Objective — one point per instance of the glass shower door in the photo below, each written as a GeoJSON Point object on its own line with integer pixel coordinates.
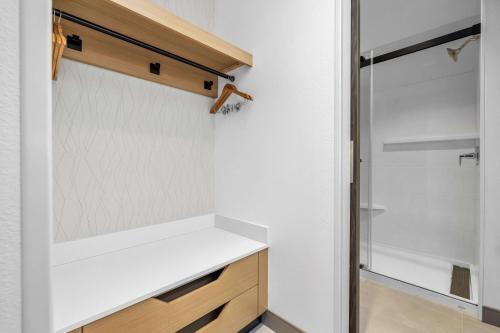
{"type": "Point", "coordinates": [419, 173]}
{"type": "Point", "coordinates": [366, 206]}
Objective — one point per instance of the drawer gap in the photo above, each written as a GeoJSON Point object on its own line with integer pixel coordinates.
{"type": "Point", "coordinates": [203, 321]}
{"type": "Point", "coordinates": [171, 295]}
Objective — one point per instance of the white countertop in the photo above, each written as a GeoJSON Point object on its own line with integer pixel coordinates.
{"type": "Point", "coordinates": [92, 288]}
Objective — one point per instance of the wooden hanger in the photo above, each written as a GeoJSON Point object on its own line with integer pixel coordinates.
{"type": "Point", "coordinates": [58, 45]}
{"type": "Point", "coordinates": [226, 92]}
{"type": "Point", "coordinates": [55, 40]}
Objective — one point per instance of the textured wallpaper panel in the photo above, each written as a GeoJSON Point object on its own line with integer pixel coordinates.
{"type": "Point", "coordinates": [127, 153]}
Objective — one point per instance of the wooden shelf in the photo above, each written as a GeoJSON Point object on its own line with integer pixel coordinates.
{"type": "Point", "coordinates": [151, 24]}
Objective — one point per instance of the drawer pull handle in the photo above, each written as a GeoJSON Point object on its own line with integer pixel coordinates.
{"type": "Point", "coordinates": [190, 286]}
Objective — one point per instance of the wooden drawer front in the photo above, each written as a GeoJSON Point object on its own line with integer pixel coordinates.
{"type": "Point", "coordinates": [263, 284]}
{"type": "Point", "coordinates": [154, 315]}
{"type": "Point", "coordinates": [236, 314]}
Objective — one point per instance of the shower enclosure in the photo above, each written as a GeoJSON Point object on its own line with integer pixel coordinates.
{"type": "Point", "coordinates": [419, 164]}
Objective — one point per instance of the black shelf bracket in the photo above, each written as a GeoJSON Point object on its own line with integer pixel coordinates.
{"type": "Point", "coordinates": [74, 42]}
{"type": "Point", "coordinates": [208, 85]}
{"type": "Point", "coordinates": [154, 68]}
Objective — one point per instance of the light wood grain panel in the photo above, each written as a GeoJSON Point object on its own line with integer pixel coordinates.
{"type": "Point", "coordinates": [155, 316]}
{"type": "Point", "coordinates": [78, 330]}
{"type": "Point", "coordinates": [110, 53]}
{"type": "Point", "coordinates": [263, 284]}
{"type": "Point", "coordinates": [236, 314]}
{"type": "Point", "coordinates": [183, 27]}
{"type": "Point", "coordinates": [145, 21]}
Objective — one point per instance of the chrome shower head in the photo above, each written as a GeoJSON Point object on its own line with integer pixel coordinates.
{"type": "Point", "coordinates": [454, 53]}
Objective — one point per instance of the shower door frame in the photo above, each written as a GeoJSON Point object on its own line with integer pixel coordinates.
{"type": "Point", "coordinates": [354, 195]}
{"type": "Point", "coordinates": [354, 221]}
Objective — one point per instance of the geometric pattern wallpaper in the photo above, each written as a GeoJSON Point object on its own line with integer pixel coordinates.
{"type": "Point", "coordinates": [129, 153]}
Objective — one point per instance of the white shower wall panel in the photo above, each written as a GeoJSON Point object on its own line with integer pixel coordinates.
{"type": "Point", "coordinates": [432, 203]}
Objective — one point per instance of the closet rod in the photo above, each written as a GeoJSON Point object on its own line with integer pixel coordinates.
{"type": "Point", "coordinates": [474, 30]}
{"type": "Point", "coordinates": [136, 42]}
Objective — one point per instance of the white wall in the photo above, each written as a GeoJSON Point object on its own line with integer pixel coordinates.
{"type": "Point", "coordinates": [128, 152]}
{"type": "Point", "coordinates": [36, 164]}
{"type": "Point", "coordinates": [491, 246]}
{"type": "Point", "coordinates": [10, 204]}
{"type": "Point", "coordinates": [198, 12]}
{"type": "Point", "coordinates": [387, 21]}
{"type": "Point", "coordinates": [274, 160]}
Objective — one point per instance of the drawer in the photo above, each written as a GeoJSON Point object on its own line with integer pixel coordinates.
{"type": "Point", "coordinates": [236, 314]}
{"type": "Point", "coordinates": [157, 315]}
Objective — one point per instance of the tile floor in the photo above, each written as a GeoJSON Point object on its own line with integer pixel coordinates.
{"type": "Point", "coordinates": [386, 310]}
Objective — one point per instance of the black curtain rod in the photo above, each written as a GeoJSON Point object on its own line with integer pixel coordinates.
{"type": "Point", "coordinates": [472, 31]}
{"type": "Point", "coordinates": [136, 42]}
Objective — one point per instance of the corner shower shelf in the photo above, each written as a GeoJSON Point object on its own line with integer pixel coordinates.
{"type": "Point", "coordinates": [149, 24]}
{"type": "Point", "coordinates": [431, 139]}
{"type": "Point", "coordinates": [364, 205]}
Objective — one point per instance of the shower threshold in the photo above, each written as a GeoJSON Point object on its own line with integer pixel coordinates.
{"type": "Point", "coordinates": [430, 295]}
{"type": "Point", "coordinates": [422, 271]}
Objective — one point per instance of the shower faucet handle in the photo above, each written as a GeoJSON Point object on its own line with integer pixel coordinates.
{"type": "Point", "coordinates": [469, 156]}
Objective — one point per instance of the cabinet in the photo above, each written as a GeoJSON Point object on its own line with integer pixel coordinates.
{"type": "Point", "coordinates": [223, 301]}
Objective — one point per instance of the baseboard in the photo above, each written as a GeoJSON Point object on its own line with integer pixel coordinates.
{"type": "Point", "coordinates": [491, 316]}
{"type": "Point", "coordinates": [278, 324]}
{"type": "Point", "coordinates": [252, 326]}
